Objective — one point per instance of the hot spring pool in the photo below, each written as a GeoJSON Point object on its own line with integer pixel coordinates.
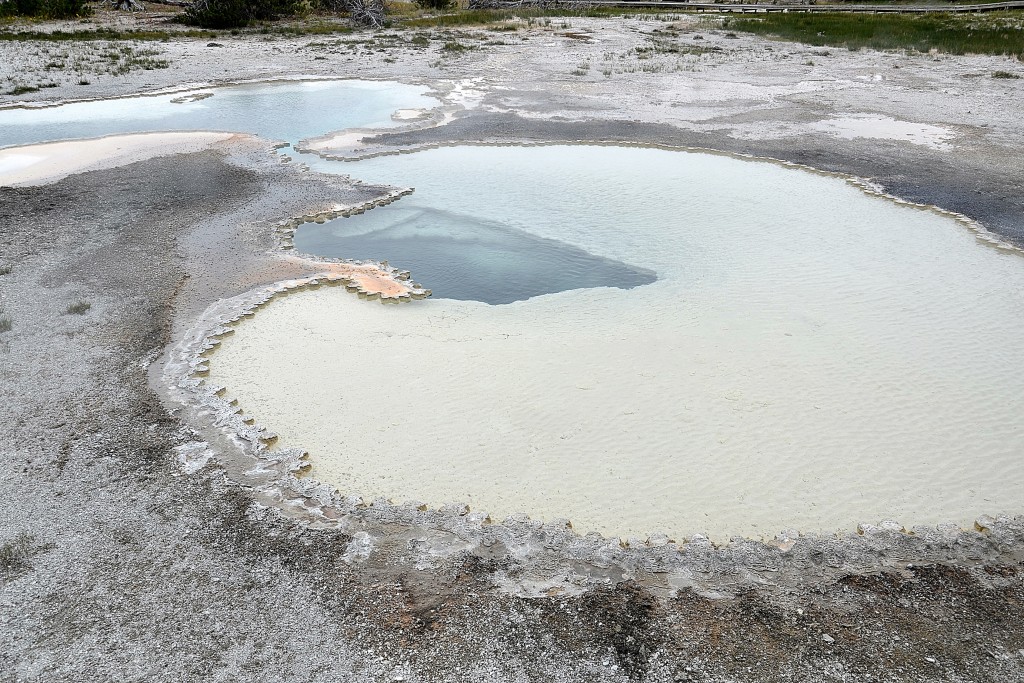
{"type": "Point", "coordinates": [635, 339]}
{"type": "Point", "coordinates": [706, 344]}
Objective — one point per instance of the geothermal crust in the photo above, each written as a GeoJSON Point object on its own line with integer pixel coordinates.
{"type": "Point", "coordinates": [47, 163]}
{"type": "Point", "coordinates": [140, 565]}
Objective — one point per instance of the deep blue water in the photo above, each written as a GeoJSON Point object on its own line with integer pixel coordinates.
{"type": "Point", "coordinates": [460, 256]}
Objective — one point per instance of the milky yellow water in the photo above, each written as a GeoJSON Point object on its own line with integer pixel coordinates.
{"type": "Point", "coordinates": [810, 357]}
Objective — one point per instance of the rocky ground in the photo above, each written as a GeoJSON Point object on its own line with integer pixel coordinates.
{"type": "Point", "coordinates": [117, 565]}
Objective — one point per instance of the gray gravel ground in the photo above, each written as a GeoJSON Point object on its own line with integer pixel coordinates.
{"type": "Point", "coordinates": [115, 565]}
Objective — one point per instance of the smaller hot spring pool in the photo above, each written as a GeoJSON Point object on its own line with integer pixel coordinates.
{"type": "Point", "coordinates": [282, 110]}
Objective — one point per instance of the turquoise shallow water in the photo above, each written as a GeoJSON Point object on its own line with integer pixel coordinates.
{"type": "Point", "coordinates": [287, 110]}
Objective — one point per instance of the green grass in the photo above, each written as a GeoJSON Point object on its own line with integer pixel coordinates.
{"type": "Point", "coordinates": [5, 323]}
{"type": "Point", "coordinates": [1004, 74]}
{"type": "Point", "coordinates": [996, 33]}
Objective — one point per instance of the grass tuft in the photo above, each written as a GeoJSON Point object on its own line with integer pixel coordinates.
{"type": "Point", "coordinates": [22, 89]}
{"type": "Point", "coordinates": [1004, 74]}
{"type": "Point", "coordinates": [5, 323]}
{"type": "Point", "coordinates": [454, 46]}
{"type": "Point", "coordinates": [6, 270]}
{"type": "Point", "coordinates": [79, 307]}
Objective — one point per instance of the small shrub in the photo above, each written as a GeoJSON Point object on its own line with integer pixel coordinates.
{"type": "Point", "coordinates": [45, 9]}
{"type": "Point", "coordinates": [79, 307]}
{"type": "Point", "coordinates": [436, 5]}
{"type": "Point", "coordinates": [22, 89]}
{"type": "Point", "coordinates": [1004, 74]}
{"type": "Point", "coordinates": [228, 14]}
{"type": "Point", "coordinates": [5, 323]}
{"type": "Point", "coordinates": [6, 270]}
